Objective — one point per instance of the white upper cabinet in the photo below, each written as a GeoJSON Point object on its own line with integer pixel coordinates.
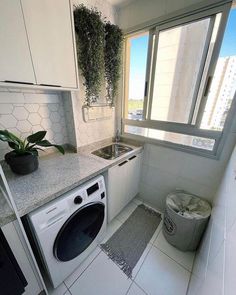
{"type": "Point", "coordinates": [15, 60]}
{"type": "Point", "coordinates": [49, 29]}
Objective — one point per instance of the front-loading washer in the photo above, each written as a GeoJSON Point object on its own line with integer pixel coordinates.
{"type": "Point", "coordinates": [68, 228]}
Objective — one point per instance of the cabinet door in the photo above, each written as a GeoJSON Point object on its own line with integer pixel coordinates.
{"type": "Point", "coordinates": [15, 60]}
{"type": "Point", "coordinates": [117, 187]}
{"type": "Point", "coordinates": [49, 28]}
{"type": "Point", "coordinates": [134, 167]}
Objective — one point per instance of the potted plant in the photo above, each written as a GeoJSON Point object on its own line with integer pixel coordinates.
{"type": "Point", "coordinates": [24, 157]}
{"type": "Point", "coordinates": [90, 36]}
{"type": "Point", "coordinates": [112, 59]}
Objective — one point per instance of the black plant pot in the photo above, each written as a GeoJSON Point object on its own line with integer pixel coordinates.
{"type": "Point", "coordinates": [24, 164]}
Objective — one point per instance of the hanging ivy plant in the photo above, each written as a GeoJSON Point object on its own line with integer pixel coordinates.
{"type": "Point", "coordinates": [90, 38]}
{"type": "Point", "coordinates": [112, 56]}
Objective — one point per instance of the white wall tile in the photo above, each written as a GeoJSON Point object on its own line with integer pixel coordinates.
{"type": "Point", "coordinates": [7, 97]}
{"type": "Point", "coordinates": [216, 255]}
{"type": "Point", "coordinates": [31, 112]}
{"type": "Point", "coordinates": [20, 113]}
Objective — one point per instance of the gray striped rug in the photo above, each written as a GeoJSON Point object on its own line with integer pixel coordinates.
{"type": "Point", "coordinates": [128, 243]}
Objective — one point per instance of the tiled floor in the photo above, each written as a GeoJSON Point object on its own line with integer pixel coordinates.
{"type": "Point", "coordinates": [161, 270]}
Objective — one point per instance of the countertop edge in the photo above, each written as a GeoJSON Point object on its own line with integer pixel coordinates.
{"type": "Point", "coordinates": [107, 164]}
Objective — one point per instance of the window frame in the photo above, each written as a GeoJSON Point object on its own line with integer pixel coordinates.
{"type": "Point", "coordinates": [182, 128]}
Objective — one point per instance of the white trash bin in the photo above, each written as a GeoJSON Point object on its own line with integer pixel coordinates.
{"type": "Point", "coordinates": [185, 220]}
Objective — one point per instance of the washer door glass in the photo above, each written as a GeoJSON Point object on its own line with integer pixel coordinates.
{"type": "Point", "coordinates": [79, 231]}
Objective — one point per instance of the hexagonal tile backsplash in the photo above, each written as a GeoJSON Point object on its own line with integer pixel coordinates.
{"type": "Point", "coordinates": [25, 113]}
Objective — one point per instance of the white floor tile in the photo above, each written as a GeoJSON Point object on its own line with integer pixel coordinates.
{"type": "Point", "coordinates": [195, 285]}
{"type": "Point", "coordinates": [135, 290]}
{"type": "Point", "coordinates": [156, 233]}
{"type": "Point", "coordinates": [74, 276]}
{"type": "Point", "coordinates": [141, 260]}
{"type": "Point", "coordinates": [101, 277]}
{"type": "Point", "coordinates": [183, 258]}
{"type": "Point", "coordinates": [160, 275]}
{"type": "Point", "coordinates": [112, 227]}
{"type": "Point", "coordinates": [60, 290]}
{"type": "Point", "coordinates": [127, 211]}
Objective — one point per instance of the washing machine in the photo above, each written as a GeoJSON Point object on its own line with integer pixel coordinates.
{"type": "Point", "coordinates": [68, 228]}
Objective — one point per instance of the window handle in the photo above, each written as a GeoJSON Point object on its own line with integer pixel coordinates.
{"type": "Point", "coordinates": [145, 89]}
{"type": "Point", "coordinates": [208, 85]}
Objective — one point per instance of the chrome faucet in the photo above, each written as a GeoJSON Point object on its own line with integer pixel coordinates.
{"type": "Point", "coordinates": [117, 137]}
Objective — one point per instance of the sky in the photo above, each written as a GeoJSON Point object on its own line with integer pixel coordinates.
{"type": "Point", "coordinates": [229, 42]}
{"type": "Point", "coordinates": [138, 55]}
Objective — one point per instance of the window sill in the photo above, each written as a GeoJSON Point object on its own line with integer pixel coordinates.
{"type": "Point", "coordinates": [178, 147]}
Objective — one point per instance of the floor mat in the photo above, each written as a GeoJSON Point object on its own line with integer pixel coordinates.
{"type": "Point", "coordinates": [128, 243]}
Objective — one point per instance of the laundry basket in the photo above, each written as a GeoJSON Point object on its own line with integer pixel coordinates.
{"type": "Point", "coordinates": [185, 220]}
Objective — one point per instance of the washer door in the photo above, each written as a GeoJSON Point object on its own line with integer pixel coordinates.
{"type": "Point", "coordinates": [79, 231]}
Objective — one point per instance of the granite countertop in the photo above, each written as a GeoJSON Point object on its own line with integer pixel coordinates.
{"type": "Point", "coordinates": [56, 175]}
{"type": "Point", "coordinates": [6, 212]}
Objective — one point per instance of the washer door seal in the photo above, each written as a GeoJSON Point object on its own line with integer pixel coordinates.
{"type": "Point", "coordinates": [79, 231]}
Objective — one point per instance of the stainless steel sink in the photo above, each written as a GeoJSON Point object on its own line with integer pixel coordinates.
{"type": "Point", "coordinates": [112, 151]}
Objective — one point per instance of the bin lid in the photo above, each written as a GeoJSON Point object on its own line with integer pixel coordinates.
{"type": "Point", "coordinates": [188, 205]}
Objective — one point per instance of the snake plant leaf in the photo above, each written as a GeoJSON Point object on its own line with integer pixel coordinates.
{"type": "Point", "coordinates": [46, 143]}
{"type": "Point", "coordinates": [38, 136]}
{"type": "Point", "coordinates": [4, 135]}
{"type": "Point", "coordinates": [13, 145]}
{"type": "Point", "coordinates": [8, 136]}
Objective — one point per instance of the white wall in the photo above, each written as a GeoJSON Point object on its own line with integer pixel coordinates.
{"type": "Point", "coordinates": [215, 263]}
{"type": "Point", "coordinates": [138, 12]}
{"type": "Point", "coordinates": [164, 170]}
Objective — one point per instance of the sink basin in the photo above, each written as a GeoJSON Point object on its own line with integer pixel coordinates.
{"type": "Point", "coordinates": [112, 151]}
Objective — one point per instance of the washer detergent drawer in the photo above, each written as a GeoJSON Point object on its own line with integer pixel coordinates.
{"type": "Point", "coordinates": [42, 220]}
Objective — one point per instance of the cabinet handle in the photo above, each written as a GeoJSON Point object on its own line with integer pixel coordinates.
{"type": "Point", "coordinates": [50, 85]}
{"type": "Point", "coordinates": [123, 163]}
{"type": "Point", "coordinates": [17, 82]}
{"type": "Point", "coordinates": [132, 158]}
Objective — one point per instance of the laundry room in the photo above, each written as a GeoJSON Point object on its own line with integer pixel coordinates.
{"type": "Point", "coordinates": [117, 147]}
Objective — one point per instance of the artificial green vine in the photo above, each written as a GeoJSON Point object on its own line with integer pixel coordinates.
{"type": "Point", "coordinates": [90, 38]}
{"type": "Point", "coordinates": [99, 49]}
{"type": "Point", "coordinates": [112, 56]}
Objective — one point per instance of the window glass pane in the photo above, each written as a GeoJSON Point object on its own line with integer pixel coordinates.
{"type": "Point", "coordinates": [183, 139]}
{"type": "Point", "coordinates": [223, 84]}
{"type": "Point", "coordinates": [136, 56]}
{"type": "Point", "coordinates": [179, 56]}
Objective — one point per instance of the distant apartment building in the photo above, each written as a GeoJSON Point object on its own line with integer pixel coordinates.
{"type": "Point", "coordinates": [221, 95]}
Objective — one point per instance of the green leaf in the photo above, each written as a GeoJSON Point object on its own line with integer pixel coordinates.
{"type": "Point", "coordinates": [38, 136]}
{"type": "Point", "coordinates": [13, 145]}
{"type": "Point", "coordinates": [13, 141]}
{"type": "Point", "coordinates": [34, 152]}
{"type": "Point", "coordinates": [60, 149]}
{"type": "Point", "coordinates": [46, 143]}
{"type": "Point", "coordinates": [4, 135]}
